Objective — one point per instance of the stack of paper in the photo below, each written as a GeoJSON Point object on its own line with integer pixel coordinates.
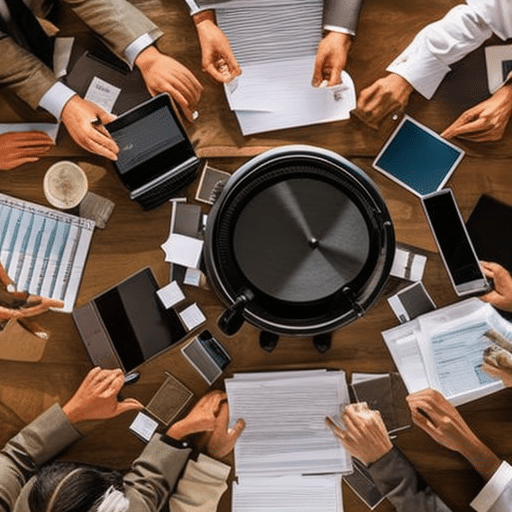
{"type": "Point", "coordinates": [275, 44]}
{"type": "Point", "coordinates": [287, 457]}
{"type": "Point", "coordinates": [443, 350]}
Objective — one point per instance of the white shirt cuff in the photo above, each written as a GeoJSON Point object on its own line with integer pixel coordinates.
{"type": "Point", "coordinates": [493, 489]}
{"type": "Point", "coordinates": [341, 30]}
{"type": "Point", "coordinates": [194, 8]}
{"type": "Point", "coordinates": [141, 43]}
{"type": "Point", "coordinates": [424, 72]}
{"type": "Point", "coordinates": [55, 98]}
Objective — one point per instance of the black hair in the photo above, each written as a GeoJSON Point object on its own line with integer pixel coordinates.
{"type": "Point", "coordinates": [80, 492]}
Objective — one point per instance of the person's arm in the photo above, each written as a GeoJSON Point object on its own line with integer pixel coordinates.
{"type": "Point", "coordinates": [440, 420]}
{"type": "Point", "coordinates": [423, 64]}
{"type": "Point", "coordinates": [154, 474]}
{"type": "Point", "coordinates": [366, 438]}
{"type": "Point", "coordinates": [18, 148]}
{"type": "Point", "coordinates": [54, 430]}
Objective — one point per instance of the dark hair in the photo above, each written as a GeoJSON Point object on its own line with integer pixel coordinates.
{"type": "Point", "coordinates": [81, 492]}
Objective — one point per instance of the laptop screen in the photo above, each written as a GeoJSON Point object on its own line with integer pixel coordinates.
{"type": "Point", "coordinates": [137, 323]}
{"type": "Point", "coordinates": [151, 141]}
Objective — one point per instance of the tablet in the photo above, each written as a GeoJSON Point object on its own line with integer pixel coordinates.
{"type": "Point", "coordinates": [418, 158]}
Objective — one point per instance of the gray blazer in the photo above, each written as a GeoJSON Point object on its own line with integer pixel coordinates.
{"type": "Point", "coordinates": [339, 13]}
{"type": "Point", "coordinates": [118, 22]}
{"type": "Point", "coordinates": [147, 485]}
{"type": "Point", "coordinates": [396, 478]}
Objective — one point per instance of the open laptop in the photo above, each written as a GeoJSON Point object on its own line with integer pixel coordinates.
{"type": "Point", "coordinates": [127, 325]}
{"type": "Point", "coordinates": [156, 158]}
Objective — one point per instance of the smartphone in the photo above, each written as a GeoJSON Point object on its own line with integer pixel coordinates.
{"type": "Point", "coordinates": [457, 251]}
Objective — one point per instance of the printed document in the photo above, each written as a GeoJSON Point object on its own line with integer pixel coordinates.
{"type": "Point", "coordinates": [443, 350]}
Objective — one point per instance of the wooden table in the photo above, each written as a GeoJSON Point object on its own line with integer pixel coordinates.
{"type": "Point", "coordinates": [132, 240]}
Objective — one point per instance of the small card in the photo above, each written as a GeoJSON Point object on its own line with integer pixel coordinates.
{"type": "Point", "coordinates": [411, 302]}
{"type": "Point", "coordinates": [97, 208]}
{"type": "Point", "coordinates": [183, 250]}
{"type": "Point", "coordinates": [143, 426]}
{"type": "Point", "coordinates": [192, 317]}
{"type": "Point", "coordinates": [102, 93]}
{"type": "Point", "coordinates": [170, 295]}
{"type": "Point", "coordinates": [211, 184]}
{"type": "Point", "coordinates": [207, 356]}
{"type": "Point", "coordinates": [193, 277]}
{"type": "Point", "coordinates": [408, 265]}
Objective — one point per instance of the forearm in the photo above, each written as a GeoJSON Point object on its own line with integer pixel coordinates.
{"type": "Point", "coordinates": [426, 61]}
{"type": "Point", "coordinates": [397, 479]}
{"type": "Point", "coordinates": [481, 458]}
{"type": "Point", "coordinates": [118, 22]}
{"type": "Point", "coordinates": [23, 73]}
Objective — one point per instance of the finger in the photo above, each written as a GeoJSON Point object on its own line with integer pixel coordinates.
{"type": "Point", "coordinates": [114, 386]}
{"type": "Point", "coordinates": [317, 72]}
{"type": "Point", "coordinates": [422, 421]}
{"type": "Point", "coordinates": [91, 375]}
{"type": "Point", "coordinates": [212, 70]}
{"type": "Point", "coordinates": [105, 118]}
{"type": "Point", "coordinates": [237, 430]}
{"type": "Point", "coordinates": [457, 129]}
{"type": "Point", "coordinates": [31, 150]}
{"type": "Point", "coordinates": [493, 297]}
{"type": "Point", "coordinates": [335, 77]}
{"type": "Point", "coordinates": [128, 404]}
{"type": "Point", "coordinates": [4, 278]}
{"type": "Point", "coordinates": [100, 147]}
{"type": "Point", "coordinates": [492, 370]}
{"type": "Point", "coordinates": [335, 428]}
{"type": "Point", "coordinates": [183, 103]}
{"type": "Point", "coordinates": [36, 137]}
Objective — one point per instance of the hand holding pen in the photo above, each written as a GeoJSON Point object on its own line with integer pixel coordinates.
{"type": "Point", "coordinates": [84, 121]}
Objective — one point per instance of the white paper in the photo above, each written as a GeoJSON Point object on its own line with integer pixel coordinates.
{"type": "Point", "coordinates": [102, 93]}
{"type": "Point", "coordinates": [192, 277]}
{"type": "Point", "coordinates": [443, 350]}
{"type": "Point", "coordinates": [144, 426]}
{"type": "Point", "coordinates": [51, 129]}
{"type": "Point", "coordinates": [408, 265]}
{"type": "Point", "coordinates": [192, 317]}
{"type": "Point", "coordinates": [285, 415]}
{"type": "Point", "coordinates": [170, 295]}
{"type": "Point", "coordinates": [183, 250]}
{"type": "Point", "coordinates": [276, 51]}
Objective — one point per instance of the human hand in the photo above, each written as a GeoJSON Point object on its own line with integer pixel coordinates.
{"type": "Point", "coordinates": [440, 420]}
{"type": "Point", "coordinates": [386, 96]}
{"type": "Point", "coordinates": [78, 115]}
{"type": "Point", "coordinates": [217, 56]}
{"type": "Point", "coordinates": [220, 441]}
{"type": "Point", "coordinates": [17, 148]}
{"type": "Point", "coordinates": [505, 374]}
{"type": "Point", "coordinates": [331, 58]}
{"type": "Point", "coordinates": [96, 398]}
{"type": "Point", "coordinates": [486, 121]}
{"type": "Point", "coordinates": [501, 295]}
{"type": "Point", "coordinates": [365, 435]}
{"type": "Point", "coordinates": [202, 418]}
{"type": "Point", "coordinates": [164, 74]}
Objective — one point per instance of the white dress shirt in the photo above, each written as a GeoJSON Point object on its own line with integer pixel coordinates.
{"type": "Point", "coordinates": [426, 61]}
{"type": "Point", "coordinates": [496, 496]}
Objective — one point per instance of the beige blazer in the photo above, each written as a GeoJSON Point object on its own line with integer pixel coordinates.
{"type": "Point", "coordinates": [118, 22]}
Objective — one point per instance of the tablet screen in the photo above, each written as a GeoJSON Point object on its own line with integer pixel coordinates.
{"type": "Point", "coordinates": [418, 158]}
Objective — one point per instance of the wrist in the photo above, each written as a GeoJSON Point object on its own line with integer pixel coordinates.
{"type": "Point", "coordinates": [177, 431]}
{"type": "Point", "coordinates": [203, 16]}
{"type": "Point", "coordinates": [481, 458]}
{"type": "Point", "coordinates": [146, 57]}
{"type": "Point", "coordinates": [73, 413]}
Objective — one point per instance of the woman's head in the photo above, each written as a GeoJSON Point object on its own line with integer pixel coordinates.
{"type": "Point", "coordinates": [72, 487]}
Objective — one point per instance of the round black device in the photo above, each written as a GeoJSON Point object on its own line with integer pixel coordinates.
{"type": "Point", "coordinates": [299, 242]}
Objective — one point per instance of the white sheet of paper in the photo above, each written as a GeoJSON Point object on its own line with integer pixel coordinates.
{"type": "Point", "coordinates": [494, 57]}
{"type": "Point", "coordinates": [144, 426]}
{"type": "Point", "coordinates": [192, 277]}
{"type": "Point", "coordinates": [192, 317]}
{"type": "Point", "coordinates": [52, 129]}
{"type": "Point", "coordinates": [183, 250]}
{"type": "Point", "coordinates": [170, 295]}
{"type": "Point", "coordinates": [102, 93]}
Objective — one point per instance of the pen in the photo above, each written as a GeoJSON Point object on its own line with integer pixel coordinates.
{"type": "Point", "coordinates": [95, 122]}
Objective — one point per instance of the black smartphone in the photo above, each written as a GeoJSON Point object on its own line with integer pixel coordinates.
{"type": "Point", "coordinates": [454, 244]}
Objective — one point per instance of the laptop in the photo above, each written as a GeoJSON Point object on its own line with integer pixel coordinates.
{"type": "Point", "coordinates": [127, 324]}
{"type": "Point", "coordinates": [156, 158]}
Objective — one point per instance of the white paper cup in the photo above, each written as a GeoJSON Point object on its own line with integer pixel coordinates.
{"type": "Point", "coordinates": [65, 185]}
